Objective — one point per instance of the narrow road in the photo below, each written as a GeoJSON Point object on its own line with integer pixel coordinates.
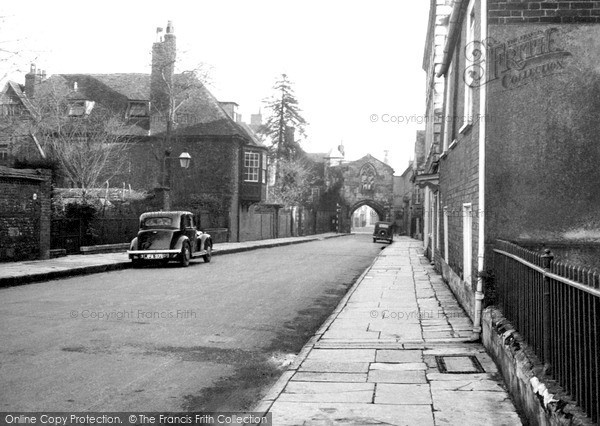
{"type": "Point", "coordinates": [205, 338]}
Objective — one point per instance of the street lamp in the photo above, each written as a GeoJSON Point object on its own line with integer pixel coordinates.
{"type": "Point", "coordinates": [184, 161]}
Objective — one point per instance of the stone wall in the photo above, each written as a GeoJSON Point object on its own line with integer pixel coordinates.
{"type": "Point", "coordinates": [535, 394]}
{"type": "Point", "coordinates": [25, 197]}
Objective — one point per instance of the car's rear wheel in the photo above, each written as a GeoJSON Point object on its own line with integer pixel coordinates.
{"type": "Point", "coordinates": [208, 254]}
{"type": "Point", "coordinates": [186, 255]}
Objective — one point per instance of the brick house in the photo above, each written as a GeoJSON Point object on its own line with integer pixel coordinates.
{"type": "Point", "coordinates": [513, 97]}
{"type": "Point", "coordinates": [174, 113]}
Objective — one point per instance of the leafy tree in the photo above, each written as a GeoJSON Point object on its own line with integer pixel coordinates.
{"type": "Point", "coordinates": [283, 113]}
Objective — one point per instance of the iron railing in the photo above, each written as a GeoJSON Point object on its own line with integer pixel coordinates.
{"type": "Point", "coordinates": [556, 308]}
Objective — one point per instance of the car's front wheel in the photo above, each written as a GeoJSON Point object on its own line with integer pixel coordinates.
{"type": "Point", "coordinates": [208, 254]}
{"type": "Point", "coordinates": [186, 255]}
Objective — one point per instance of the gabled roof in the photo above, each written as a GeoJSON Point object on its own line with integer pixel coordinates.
{"type": "Point", "coordinates": [19, 94]}
{"type": "Point", "coordinates": [369, 158]}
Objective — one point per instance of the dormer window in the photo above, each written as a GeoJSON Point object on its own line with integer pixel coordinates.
{"type": "Point", "coordinates": [137, 109]}
{"type": "Point", "coordinates": [80, 108]}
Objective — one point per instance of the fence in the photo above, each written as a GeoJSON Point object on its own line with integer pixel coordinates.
{"type": "Point", "coordinates": [556, 308]}
{"type": "Point", "coordinates": [71, 234]}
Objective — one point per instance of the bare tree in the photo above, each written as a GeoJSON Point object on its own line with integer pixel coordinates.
{"type": "Point", "coordinates": [294, 183]}
{"type": "Point", "coordinates": [88, 141]}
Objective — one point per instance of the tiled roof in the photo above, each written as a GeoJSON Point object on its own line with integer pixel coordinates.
{"type": "Point", "coordinates": [207, 116]}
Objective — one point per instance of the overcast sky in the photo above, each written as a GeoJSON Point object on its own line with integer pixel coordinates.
{"type": "Point", "coordinates": [351, 61]}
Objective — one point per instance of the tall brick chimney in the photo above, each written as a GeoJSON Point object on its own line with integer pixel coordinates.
{"type": "Point", "coordinates": [164, 52]}
{"type": "Point", "coordinates": [32, 79]}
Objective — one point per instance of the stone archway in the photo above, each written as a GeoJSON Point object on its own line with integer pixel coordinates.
{"type": "Point", "coordinates": [379, 209]}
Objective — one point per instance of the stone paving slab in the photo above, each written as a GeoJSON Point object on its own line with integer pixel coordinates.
{"type": "Point", "coordinates": [328, 392]}
{"type": "Point", "coordinates": [330, 377]}
{"type": "Point", "coordinates": [391, 376]}
{"type": "Point", "coordinates": [348, 355]}
{"type": "Point", "coordinates": [402, 394]}
{"type": "Point", "coordinates": [407, 366]}
{"type": "Point", "coordinates": [399, 356]}
{"type": "Point", "coordinates": [334, 367]}
{"type": "Point", "coordinates": [355, 414]}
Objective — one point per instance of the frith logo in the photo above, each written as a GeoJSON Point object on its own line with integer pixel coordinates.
{"type": "Point", "coordinates": [518, 61]}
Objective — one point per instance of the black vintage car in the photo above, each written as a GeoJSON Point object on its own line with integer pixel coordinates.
{"type": "Point", "coordinates": [383, 231]}
{"type": "Point", "coordinates": [169, 236]}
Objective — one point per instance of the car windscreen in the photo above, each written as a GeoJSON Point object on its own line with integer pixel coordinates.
{"type": "Point", "coordinates": [383, 226]}
{"type": "Point", "coordinates": [158, 222]}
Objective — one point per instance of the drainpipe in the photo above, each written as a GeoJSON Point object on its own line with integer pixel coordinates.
{"type": "Point", "coordinates": [481, 181]}
{"type": "Point", "coordinates": [454, 23]}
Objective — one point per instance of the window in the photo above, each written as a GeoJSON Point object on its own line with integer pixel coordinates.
{"type": "Point", "coordinates": [80, 108]}
{"type": "Point", "coordinates": [467, 242]}
{"type": "Point", "coordinates": [446, 234]}
{"type": "Point", "coordinates": [157, 222]}
{"type": "Point", "coordinates": [10, 110]}
{"type": "Point", "coordinates": [264, 168]}
{"type": "Point", "coordinates": [447, 112]}
{"type": "Point", "coordinates": [3, 151]}
{"type": "Point", "coordinates": [469, 69]}
{"type": "Point", "coordinates": [417, 195]}
{"type": "Point", "coordinates": [315, 194]}
{"type": "Point", "coordinates": [251, 166]}
{"type": "Point", "coordinates": [437, 220]}
{"type": "Point", "coordinates": [137, 109]}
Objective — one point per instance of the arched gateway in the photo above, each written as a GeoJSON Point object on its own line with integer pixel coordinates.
{"type": "Point", "coordinates": [367, 181]}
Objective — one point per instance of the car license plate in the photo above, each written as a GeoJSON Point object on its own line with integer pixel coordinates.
{"type": "Point", "coordinates": [155, 256]}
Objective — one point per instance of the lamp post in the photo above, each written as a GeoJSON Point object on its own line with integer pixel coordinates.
{"type": "Point", "coordinates": [184, 161]}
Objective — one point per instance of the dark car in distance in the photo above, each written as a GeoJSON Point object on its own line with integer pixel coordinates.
{"type": "Point", "coordinates": [383, 231]}
{"type": "Point", "coordinates": [169, 236]}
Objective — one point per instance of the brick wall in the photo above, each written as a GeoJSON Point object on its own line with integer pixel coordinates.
{"type": "Point", "coordinates": [459, 178]}
{"type": "Point", "coordinates": [213, 172]}
{"type": "Point", "coordinates": [25, 214]}
{"type": "Point", "coordinates": [550, 11]}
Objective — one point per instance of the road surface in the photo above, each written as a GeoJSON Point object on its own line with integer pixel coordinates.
{"type": "Point", "coordinates": [208, 337]}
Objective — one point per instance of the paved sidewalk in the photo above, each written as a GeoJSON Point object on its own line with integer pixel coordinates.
{"type": "Point", "coordinates": [396, 351]}
{"type": "Point", "coordinates": [16, 273]}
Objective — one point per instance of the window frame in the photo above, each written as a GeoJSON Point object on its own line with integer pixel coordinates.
{"type": "Point", "coordinates": [469, 91]}
{"type": "Point", "coordinates": [4, 151]}
{"type": "Point", "coordinates": [252, 169]}
{"type": "Point", "coordinates": [135, 104]}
